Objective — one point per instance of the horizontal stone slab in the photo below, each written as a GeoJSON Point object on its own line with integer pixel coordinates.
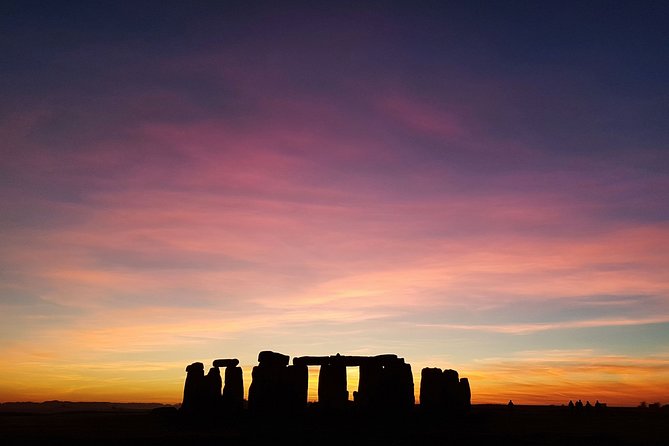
{"type": "Point", "coordinates": [273, 359]}
{"type": "Point", "coordinates": [348, 361]}
{"type": "Point", "coordinates": [233, 362]}
{"type": "Point", "coordinates": [196, 366]}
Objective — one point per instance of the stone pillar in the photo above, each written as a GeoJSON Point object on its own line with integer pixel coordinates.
{"type": "Point", "coordinates": [451, 391]}
{"type": "Point", "coordinates": [397, 387]}
{"type": "Point", "coordinates": [389, 390]}
{"type": "Point", "coordinates": [324, 385]}
{"type": "Point", "coordinates": [233, 392]}
{"type": "Point", "coordinates": [258, 390]}
{"type": "Point", "coordinates": [212, 390]}
{"type": "Point", "coordinates": [408, 395]}
{"type": "Point", "coordinates": [296, 386]}
{"type": "Point", "coordinates": [431, 389]}
{"type": "Point", "coordinates": [370, 390]}
{"type": "Point", "coordinates": [268, 391]}
{"type": "Point", "coordinates": [193, 388]}
{"type": "Point", "coordinates": [465, 395]}
{"type": "Point", "coordinates": [332, 391]}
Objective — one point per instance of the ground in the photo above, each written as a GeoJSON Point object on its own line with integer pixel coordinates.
{"type": "Point", "coordinates": [489, 425]}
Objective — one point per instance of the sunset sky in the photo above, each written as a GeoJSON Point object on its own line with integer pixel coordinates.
{"type": "Point", "coordinates": [481, 186]}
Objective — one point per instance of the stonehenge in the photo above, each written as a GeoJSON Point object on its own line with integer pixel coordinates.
{"type": "Point", "coordinates": [277, 387]}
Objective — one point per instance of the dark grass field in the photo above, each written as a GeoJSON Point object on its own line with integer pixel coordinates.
{"type": "Point", "coordinates": [485, 425]}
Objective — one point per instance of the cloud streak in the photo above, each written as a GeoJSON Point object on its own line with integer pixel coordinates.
{"type": "Point", "coordinates": [566, 325]}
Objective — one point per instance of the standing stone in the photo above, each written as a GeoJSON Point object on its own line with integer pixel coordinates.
{"type": "Point", "coordinates": [268, 391]}
{"type": "Point", "coordinates": [194, 388]}
{"type": "Point", "coordinates": [451, 391]}
{"type": "Point", "coordinates": [465, 395]}
{"type": "Point", "coordinates": [397, 386]}
{"type": "Point", "coordinates": [211, 390]}
{"type": "Point", "coordinates": [390, 388]}
{"type": "Point", "coordinates": [233, 392]}
{"type": "Point", "coordinates": [259, 388]}
{"type": "Point", "coordinates": [370, 390]}
{"type": "Point", "coordinates": [296, 386]}
{"type": "Point", "coordinates": [408, 393]}
{"type": "Point", "coordinates": [332, 391]}
{"type": "Point", "coordinates": [431, 389]}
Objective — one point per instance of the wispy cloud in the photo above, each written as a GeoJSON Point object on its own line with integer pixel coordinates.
{"type": "Point", "coordinates": [566, 325]}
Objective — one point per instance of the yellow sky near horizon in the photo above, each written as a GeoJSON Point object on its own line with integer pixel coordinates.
{"type": "Point", "coordinates": [616, 381]}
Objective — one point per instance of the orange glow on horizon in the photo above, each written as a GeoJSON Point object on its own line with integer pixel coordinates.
{"type": "Point", "coordinates": [621, 384]}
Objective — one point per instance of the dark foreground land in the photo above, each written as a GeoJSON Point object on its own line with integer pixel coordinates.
{"type": "Point", "coordinates": [484, 425]}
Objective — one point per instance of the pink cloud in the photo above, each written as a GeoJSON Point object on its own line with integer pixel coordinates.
{"type": "Point", "coordinates": [422, 118]}
{"type": "Point", "coordinates": [537, 327]}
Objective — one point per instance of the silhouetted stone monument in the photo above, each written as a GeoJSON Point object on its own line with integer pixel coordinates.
{"type": "Point", "coordinates": [406, 386]}
{"type": "Point", "coordinates": [270, 390]}
{"type": "Point", "coordinates": [444, 391]}
{"type": "Point", "coordinates": [385, 382]}
{"type": "Point", "coordinates": [202, 393]}
{"type": "Point", "coordinates": [451, 391]}
{"type": "Point", "coordinates": [431, 389]}
{"type": "Point", "coordinates": [233, 362]}
{"type": "Point", "coordinates": [194, 388]}
{"type": "Point", "coordinates": [397, 388]}
{"type": "Point", "coordinates": [297, 383]}
{"type": "Point", "coordinates": [233, 391]}
{"type": "Point", "coordinates": [385, 386]}
{"type": "Point", "coordinates": [370, 387]}
{"type": "Point", "coordinates": [211, 395]}
{"type": "Point", "coordinates": [465, 395]}
{"type": "Point", "coordinates": [273, 359]}
{"type": "Point", "coordinates": [332, 391]}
